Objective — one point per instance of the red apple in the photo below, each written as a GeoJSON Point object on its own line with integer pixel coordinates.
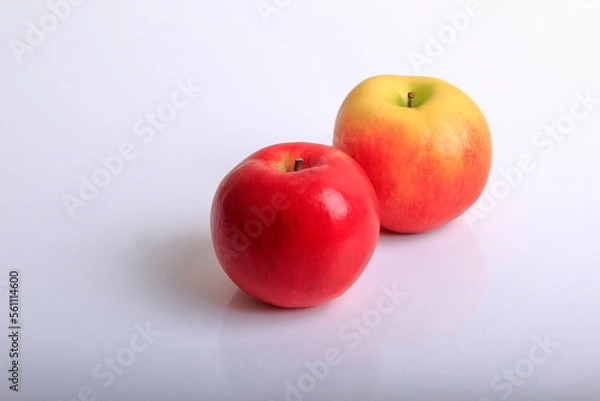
{"type": "Point", "coordinates": [295, 224]}
{"type": "Point", "coordinates": [424, 144]}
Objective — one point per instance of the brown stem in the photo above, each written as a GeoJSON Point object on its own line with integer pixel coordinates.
{"type": "Point", "coordinates": [298, 164]}
{"type": "Point", "coordinates": [411, 97]}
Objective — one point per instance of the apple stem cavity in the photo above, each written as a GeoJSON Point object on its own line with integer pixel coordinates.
{"type": "Point", "coordinates": [411, 98]}
{"type": "Point", "coordinates": [298, 164]}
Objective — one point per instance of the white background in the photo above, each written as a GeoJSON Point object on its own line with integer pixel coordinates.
{"type": "Point", "coordinates": [479, 291]}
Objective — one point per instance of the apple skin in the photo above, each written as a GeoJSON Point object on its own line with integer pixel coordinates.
{"type": "Point", "coordinates": [295, 238]}
{"type": "Point", "coordinates": [428, 163]}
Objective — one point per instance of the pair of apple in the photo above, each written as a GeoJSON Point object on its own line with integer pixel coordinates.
{"type": "Point", "coordinates": [295, 224]}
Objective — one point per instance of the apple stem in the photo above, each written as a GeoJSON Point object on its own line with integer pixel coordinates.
{"type": "Point", "coordinates": [411, 97]}
{"type": "Point", "coordinates": [298, 164]}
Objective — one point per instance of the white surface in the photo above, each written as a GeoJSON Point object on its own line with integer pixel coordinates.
{"type": "Point", "coordinates": [477, 294]}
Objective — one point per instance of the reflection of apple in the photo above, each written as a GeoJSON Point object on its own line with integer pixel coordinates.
{"type": "Point", "coordinates": [443, 273]}
{"type": "Point", "coordinates": [424, 144]}
{"type": "Point", "coordinates": [274, 354]}
{"type": "Point", "coordinates": [294, 225]}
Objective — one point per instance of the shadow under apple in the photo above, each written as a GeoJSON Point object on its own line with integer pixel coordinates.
{"type": "Point", "coordinates": [179, 271]}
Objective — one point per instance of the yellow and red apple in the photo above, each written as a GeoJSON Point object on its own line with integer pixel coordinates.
{"type": "Point", "coordinates": [423, 142]}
